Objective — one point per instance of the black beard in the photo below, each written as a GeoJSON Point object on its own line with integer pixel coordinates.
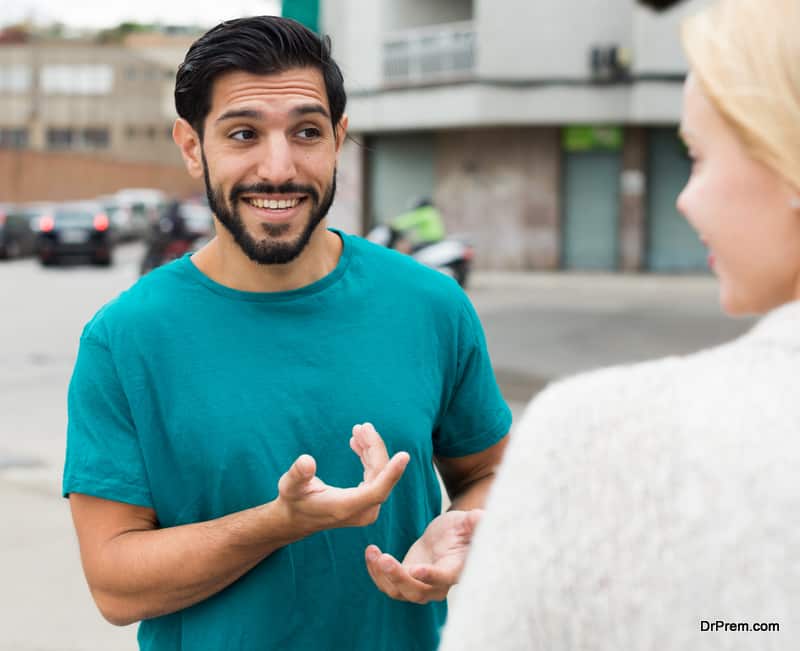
{"type": "Point", "coordinates": [267, 250]}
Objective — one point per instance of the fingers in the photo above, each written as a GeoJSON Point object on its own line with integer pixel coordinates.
{"type": "Point", "coordinates": [382, 484]}
{"type": "Point", "coordinates": [369, 446]}
{"type": "Point", "coordinates": [395, 581]}
{"type": "Point", "coordinates": [434, 576]}
{"type": "Point", "coordinates": [471, 522]}
{"type": "Point", "coordinates": [373, 555]}
{"type": "Point", "coordinates": [295, 480]}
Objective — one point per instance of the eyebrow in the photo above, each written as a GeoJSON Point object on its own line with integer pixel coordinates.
{"type": "Point", "coordinates": [236, 114]}
{"type": "Point", "coordinates": [253, 114]}
{"type": "Point", "coordinates": [305, 109]}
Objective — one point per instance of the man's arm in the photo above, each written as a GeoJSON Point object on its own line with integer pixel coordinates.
{"type": "Point", "coordinates": [468, 479]}
{"type": "Point", "coordinates": [137, 570]}
{"type": "Point", "coordinates": [434, 563]}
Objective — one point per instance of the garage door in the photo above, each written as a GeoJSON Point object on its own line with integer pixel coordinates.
{"type": "Point", "coordinates": [673, 246]}
{"type": "Point", "coordinates": [591, 209]}
{"type": "Point", "coordinates": [401, 169]}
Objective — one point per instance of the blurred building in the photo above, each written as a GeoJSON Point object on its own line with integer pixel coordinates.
{"type": "Point", "coordinates": [547, 130]}
{"type": "Point", "coordinates": [111, 100]}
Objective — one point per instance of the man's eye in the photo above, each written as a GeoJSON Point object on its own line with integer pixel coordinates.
{"type": "Point", "coordinates": [309, 132]}
{"type": "Point", "coordinates": [243, 134]}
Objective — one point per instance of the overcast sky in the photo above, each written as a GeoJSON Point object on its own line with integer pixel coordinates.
{"type": "Point", "coordinates": [107, 13]}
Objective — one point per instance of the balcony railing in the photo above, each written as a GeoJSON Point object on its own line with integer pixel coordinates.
{"type": "Point", "coordinates": [431, 54]}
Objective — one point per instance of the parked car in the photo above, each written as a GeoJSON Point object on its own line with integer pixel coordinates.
{"type": "Point", "coordinates": [123, 223]}
{"type": "Point", "coordinates": [198, 218]}
{"type": "Point", "coordinates": [142, 206]}
{"type": "Point", "coordinates": [76, 229]}
{"type": "Point", "coordinates": [17, 238]}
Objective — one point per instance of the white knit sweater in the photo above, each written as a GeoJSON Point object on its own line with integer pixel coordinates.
{"type": "Point", "coordinates": [635, 502]}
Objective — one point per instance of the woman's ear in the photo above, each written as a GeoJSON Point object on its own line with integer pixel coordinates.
{"type": "Point", "coordinates": [188, 141]}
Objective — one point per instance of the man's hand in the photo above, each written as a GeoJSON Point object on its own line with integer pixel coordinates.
{"type": "Point", "coordinates": [432, 565]}
{"type": "Point", "coordinates": [311, 505]}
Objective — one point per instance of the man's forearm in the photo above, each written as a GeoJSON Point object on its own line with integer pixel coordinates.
{"type": "Point", "coordinates": [148, 573]}
{"type": "Point", "coordinates": [473, 495]}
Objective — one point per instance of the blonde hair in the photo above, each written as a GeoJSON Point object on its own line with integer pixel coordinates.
{"type": "Point", "coordinates": [746, 56]}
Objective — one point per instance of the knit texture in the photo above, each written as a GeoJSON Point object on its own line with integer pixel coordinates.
{"type": "Point", "coordinates": [636, 501]}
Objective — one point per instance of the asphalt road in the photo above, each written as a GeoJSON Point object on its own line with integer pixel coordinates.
{"type": "Point", "coordinates": [538, 326]}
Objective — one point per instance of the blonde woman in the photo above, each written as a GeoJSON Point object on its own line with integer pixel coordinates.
{"type": "Point", "coordinates": [657, 506]}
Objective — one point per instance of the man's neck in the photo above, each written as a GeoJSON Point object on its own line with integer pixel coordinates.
{"type": "Point", "coordinates": [224, 262]}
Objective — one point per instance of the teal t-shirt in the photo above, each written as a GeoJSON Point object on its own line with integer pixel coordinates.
{"type": "Point", "coordinates": [192, 398]}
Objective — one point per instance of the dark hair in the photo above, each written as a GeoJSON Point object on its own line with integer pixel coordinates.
{"type": "Point", "coordinates": [260, 45]}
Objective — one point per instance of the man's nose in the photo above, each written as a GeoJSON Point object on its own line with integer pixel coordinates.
{"type": "Point", "coordinates": [276, 165]}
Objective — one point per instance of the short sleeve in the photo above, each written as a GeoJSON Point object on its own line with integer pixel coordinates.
{"type": "Point", "coordinates": [476, 415]}
{"type": "Point", "coordinates": [103, 456]}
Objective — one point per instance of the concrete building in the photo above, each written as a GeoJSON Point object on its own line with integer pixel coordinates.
{"type": "Point", "coordinates": [111, 100]}
{"type": "Point", "coordinates": [547, 130]}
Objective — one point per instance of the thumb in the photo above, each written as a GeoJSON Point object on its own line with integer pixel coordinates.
{"type": "Point", "coordinates": [299, 474]}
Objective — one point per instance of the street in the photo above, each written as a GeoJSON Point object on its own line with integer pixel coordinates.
{"type": "Point", "coordinates": [539, 327]}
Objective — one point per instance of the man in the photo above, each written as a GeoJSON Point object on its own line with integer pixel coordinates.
{"type": "Point", "coordinates": [209, 401]}
{"type": "Point", "coordinates": [421, 226]}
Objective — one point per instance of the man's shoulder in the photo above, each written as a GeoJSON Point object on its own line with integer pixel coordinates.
{"type": "Point", "coordinates": [144, 301]}
{"type": "Point", "coordinates": [396, 271]}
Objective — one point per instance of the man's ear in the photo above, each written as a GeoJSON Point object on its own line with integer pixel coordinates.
{"type": "Point", "coordinates": [341, 131]}
{"type": "Point", "coordinates": [188, 141]}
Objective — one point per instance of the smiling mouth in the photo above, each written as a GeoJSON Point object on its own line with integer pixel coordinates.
{"type": "Point", "coordinates": [274, 204]}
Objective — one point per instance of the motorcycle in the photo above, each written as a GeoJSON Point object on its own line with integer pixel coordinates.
{"type": "Point", "coordinates": [184, 228]}
{"type": "Point", "coordinates": [451, 256]}
{"type": "Point", "coordinates": [159, 255]}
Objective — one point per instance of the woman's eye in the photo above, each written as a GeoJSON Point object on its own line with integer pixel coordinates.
{"type": "Point", "coordinates": [243, 134]}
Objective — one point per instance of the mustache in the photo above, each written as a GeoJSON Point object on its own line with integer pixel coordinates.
{"type": "Point", "coordinates": [268, 188]}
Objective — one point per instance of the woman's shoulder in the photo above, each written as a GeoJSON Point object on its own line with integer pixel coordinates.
{"type": "Point", "coordinates": [651, 384]}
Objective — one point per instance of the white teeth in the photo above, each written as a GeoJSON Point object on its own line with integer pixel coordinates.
{"type": "Point", "coordinates": [274, 204]}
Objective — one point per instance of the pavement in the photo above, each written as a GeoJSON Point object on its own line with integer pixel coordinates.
{"type": "Point", "coordinates": [545, 326]}
{"type": "Point", "coordinates": [538, 327]}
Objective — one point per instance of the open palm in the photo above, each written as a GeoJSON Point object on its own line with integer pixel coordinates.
{"type": "Point", "coordinates": [433, 563]}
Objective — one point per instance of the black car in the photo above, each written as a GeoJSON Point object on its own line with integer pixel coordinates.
{"type": "Point", "coordinates": [76, 229]}
{"type": "Point", "coordinates": [17, 238]}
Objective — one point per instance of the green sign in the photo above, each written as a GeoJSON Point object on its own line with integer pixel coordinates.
{"type": "Point", "coordinates": [303, 11]}
{"type": "Point", "coordinates": [588, 138]}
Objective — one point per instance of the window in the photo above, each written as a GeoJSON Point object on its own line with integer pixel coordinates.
{"type": "Point", "coordinates": [59, 138]}
{"type": "Point", "coordinates": [15, 78]}
{"type": "Point", "coordinates": [14, 138]}
{"type": "Point", "coordinates": [77, 79]}
{"type": "Point", "coordinates": [91, 138]}
{"type": "Point", "coordinates": [95, 138]}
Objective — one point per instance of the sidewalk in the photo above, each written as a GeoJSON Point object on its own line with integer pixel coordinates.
{"type": "Point", "coordinates": [45, 603]}
{"type": "Point", "coordinates": [544, 326]}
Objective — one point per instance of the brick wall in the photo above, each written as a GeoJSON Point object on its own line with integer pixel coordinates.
{"type": "Point", "coordinates": [38, 176]}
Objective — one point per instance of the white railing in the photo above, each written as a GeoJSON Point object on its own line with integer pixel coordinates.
{"type": "Point", "coordinates": [429, 54]}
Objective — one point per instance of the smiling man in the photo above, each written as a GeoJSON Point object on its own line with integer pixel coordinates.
{"type": "Point", "coordinates": [212, 405]}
